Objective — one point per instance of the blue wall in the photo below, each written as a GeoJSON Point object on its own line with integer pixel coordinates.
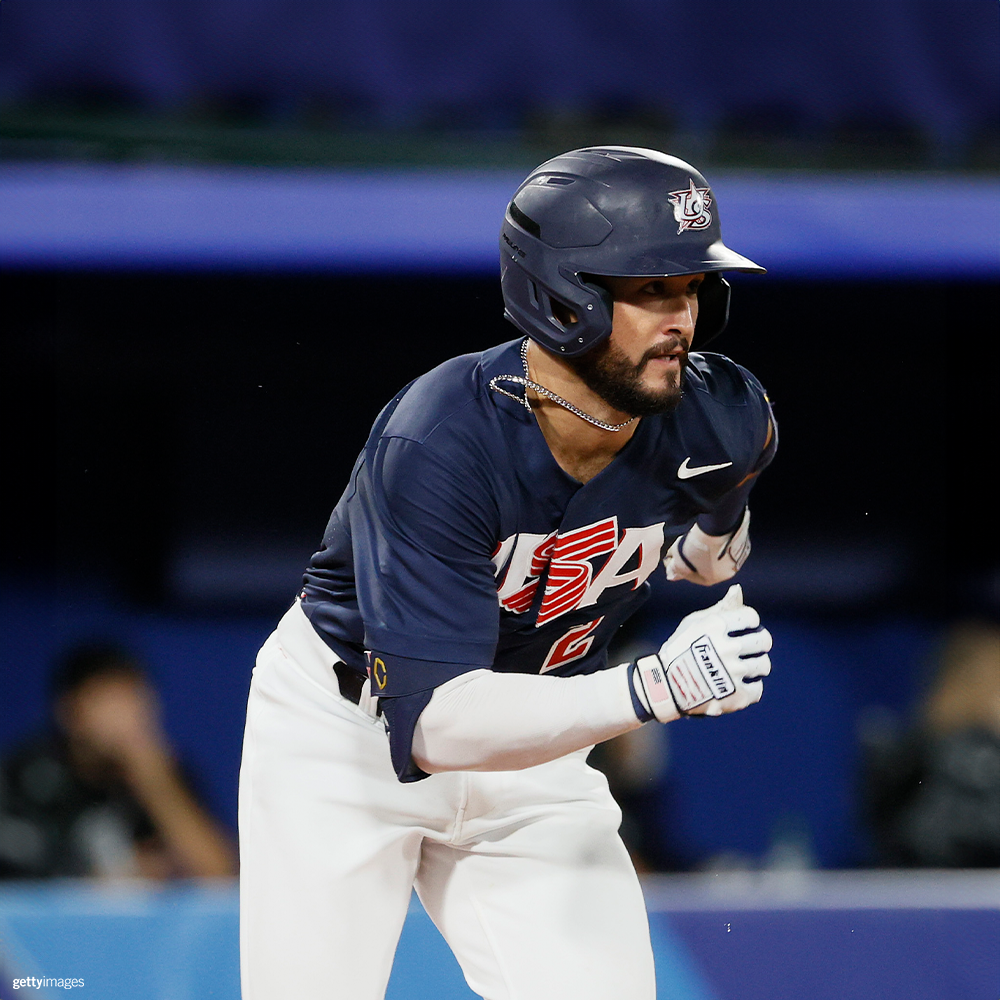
{"type": "Point", "coordinates": [447, 221]}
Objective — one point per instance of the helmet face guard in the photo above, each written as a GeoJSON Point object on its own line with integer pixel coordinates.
{"type": "Point", "coordinates": [609, 211]}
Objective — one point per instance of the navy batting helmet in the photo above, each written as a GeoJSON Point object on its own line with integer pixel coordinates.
{"type": "Point", "coordinates": [615, 211]}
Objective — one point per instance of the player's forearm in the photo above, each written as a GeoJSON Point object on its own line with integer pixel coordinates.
{"type": "Point", "coordinates": [191, 838]}
{"type": "Point", "coordinates": [728, 512]}
{"type": "Point", "coordinates": [486, 721]}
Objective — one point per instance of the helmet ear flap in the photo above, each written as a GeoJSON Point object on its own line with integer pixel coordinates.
{"type": "Point", "coordinates": [563, 312]}
{"type": "Point", "coordinates": [713, 309]}
{"type": "Point", "coordinates": [592, 283]}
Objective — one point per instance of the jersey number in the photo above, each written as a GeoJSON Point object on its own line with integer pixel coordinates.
{"type": "Point", "coordinates": [574, 644]}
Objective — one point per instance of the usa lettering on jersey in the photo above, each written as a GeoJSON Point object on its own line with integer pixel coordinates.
{"type": "Point", "coordinates": [572, 558]}
{"type": "Point", "coordinates": [578, 566]}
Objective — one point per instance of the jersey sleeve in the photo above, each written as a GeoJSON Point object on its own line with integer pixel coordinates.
{"type": "Point", "coordinates": [424, 530]}
{"type": "Point", "coordinates": [423, 525]}
{"type": "Point", "coordinates": [728, 510]}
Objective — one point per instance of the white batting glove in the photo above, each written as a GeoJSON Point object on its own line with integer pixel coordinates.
{"type": "Point", "coordinates": [708, 559]}
{"type": "Point", "coordinates": [711, 665]}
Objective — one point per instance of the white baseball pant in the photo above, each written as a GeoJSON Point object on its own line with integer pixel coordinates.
{"type": "Point", "coordinates": [523, 872]}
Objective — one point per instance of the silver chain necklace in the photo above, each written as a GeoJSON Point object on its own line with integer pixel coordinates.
{"type": "Point", "coordinates": [548, 393]}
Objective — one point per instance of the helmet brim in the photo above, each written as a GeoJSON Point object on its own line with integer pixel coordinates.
{"type": "Point", "coordinates": [650, 264]}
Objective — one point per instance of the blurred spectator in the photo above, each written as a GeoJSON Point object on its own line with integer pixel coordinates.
{"type": "Point", "coordinates": [102, 795]}
{"type": "Point", "coordinates": [933, 794]}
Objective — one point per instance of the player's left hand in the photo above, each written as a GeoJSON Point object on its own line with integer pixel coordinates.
{"type": "Point", "coordinates": [708, 559]}
{"type": "Point", "coordinates": [714, 662]}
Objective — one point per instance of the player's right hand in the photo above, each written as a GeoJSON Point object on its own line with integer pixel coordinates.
{"type": "Point", "coordinates": [712, 664]}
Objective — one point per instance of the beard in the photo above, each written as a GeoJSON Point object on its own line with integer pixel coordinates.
{"type": "Point", "coordinates": [609, 372]}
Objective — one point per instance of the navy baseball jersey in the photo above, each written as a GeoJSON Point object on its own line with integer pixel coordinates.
{"type": "Point", "coordinates": [460, 543]}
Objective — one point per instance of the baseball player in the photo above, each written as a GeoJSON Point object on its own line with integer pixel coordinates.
{"type": "Point", "coordinates": [422, 715]}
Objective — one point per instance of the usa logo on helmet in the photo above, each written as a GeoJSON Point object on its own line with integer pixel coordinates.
{"type": "Point", "coordinates": [691, 207]}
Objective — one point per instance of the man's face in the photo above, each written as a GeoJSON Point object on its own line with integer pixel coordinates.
{"type": "Point", "coordinates": [639, 369]}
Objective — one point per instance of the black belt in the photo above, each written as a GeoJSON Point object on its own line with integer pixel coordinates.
{"type": "Point", "coordinates": [350, 681]}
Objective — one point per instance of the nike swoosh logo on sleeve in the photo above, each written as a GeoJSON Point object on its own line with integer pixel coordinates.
{"type": "Point", "coordinates": [686, 472]}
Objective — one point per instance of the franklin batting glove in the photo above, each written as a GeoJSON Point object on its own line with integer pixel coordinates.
{"type": "Point", "coordinates": [713, 664]}
{"type": "Point", "coordinates": [708, 559]}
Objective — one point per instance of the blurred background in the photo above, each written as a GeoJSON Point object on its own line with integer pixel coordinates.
{"type": "Point", "coordinates": [230, 233]}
